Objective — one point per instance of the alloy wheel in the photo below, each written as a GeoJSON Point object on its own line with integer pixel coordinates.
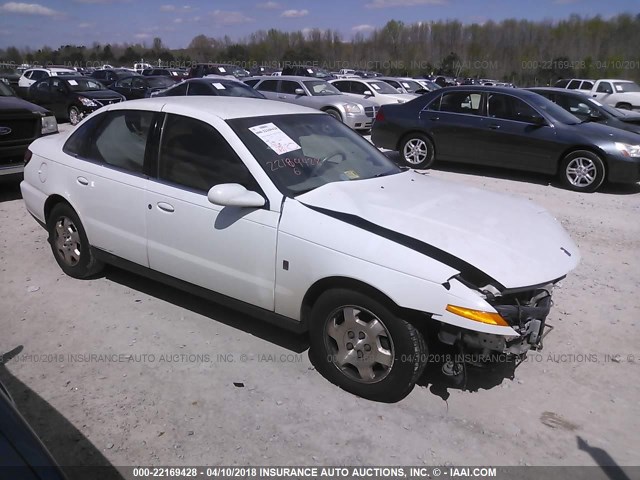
{"type": "Point", "coordinates": [67, 241]}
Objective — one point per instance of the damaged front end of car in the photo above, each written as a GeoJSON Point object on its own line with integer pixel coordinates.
{"type": "Point", "coordinates": [523, 310]}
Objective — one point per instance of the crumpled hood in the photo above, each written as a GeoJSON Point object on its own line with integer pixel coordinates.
{"type": "Point", "coordinates": [514, 241]}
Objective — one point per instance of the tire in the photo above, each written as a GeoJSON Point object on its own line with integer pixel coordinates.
{"type": "Point", "coordinates": [74, 115]}
{"type": "Point", "coordinates": [417, 151]}
{"type": "Point", "coordinates": [334, 113]}
{"type": "Point", "coordinates": [69, 243]}
{"type": "Point", "coordinates": [345, 326]}
{"type": "Point", "coordinates": [623, 106]}
{"type": "Point", "coordinates": [582, 171]}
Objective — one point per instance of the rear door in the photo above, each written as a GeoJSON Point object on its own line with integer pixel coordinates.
{"type": "Point", "coordinates": [59, 96]}
{"type": "Point", "coordinates": [108, 182]}
{"type": "Point", "coordinates": [456, 124]}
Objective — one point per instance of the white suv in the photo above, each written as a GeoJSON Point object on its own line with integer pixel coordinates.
{"type": "Point", "coordinates": [285, 212]}
{"type": "Point", "coordinates": [32, 75]}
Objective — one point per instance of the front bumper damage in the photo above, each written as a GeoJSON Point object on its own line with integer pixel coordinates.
{"type": "Point", "coordinates": [525, 310]}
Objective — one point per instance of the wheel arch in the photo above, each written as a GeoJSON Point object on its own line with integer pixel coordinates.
{"type": "Point", "coordinates": [588, 148]}
{"type": "Point", "coordinates": [54, 200]}
{"type": "Point", "coordinates": [330, 107]}
{"type": "Point", "coordinates": [413, 131]}
{"type": "Point", "coordinates": [416, 318]}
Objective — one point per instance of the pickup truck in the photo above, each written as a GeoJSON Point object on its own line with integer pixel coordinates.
{"type": "Point", "coordinates": [623, 94]}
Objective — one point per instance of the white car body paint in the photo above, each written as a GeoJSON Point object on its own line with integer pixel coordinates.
{"type": "Point", "coordinates": [241, 252]}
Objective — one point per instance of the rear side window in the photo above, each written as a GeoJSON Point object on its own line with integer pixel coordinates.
{"type": "Point", "coordinates": [342, 86]}
{"type": "Point", "coordinates": [178, 91]}
{"type": "Point", "coordinates": [289, 87]}
{"type": "Point", "coordinates": [586, 85]}
{"type": "Point", "coordinates": [197, 88]}
{"type": "Point", "coordinates": [562, 83]}
{"type": "Point", "coordinates": [193, 154]}
{"type": "Point", "coordinates": [78, 143]}
{"type": "Point", "coordinates": [268, 86]}
{"type": "Point", "coordinates": [121, 139]}
{"type": "Point", "coordinates": [574, 84]}
{"type": "Point", "coordinates": [458, 102]}
{"type": "Point", "coordinates": [252, 82]}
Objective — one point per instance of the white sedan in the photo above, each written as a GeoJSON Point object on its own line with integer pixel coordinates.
{"type": "Point", "coordinates": [285, 212]}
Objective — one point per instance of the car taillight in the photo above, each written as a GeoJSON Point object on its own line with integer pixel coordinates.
{"type": "Point", "coordinates": [27, 156]}
{"type": "Point", "coordinates": [380, 116]}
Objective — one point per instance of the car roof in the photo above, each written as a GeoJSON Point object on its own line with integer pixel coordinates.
{"type": "Point", "coordinates": [298, 78]}
{"type": "Point", "coordinates": [222, 107]}
{"type": "Point", "coordinates": [564, 91]}
{"type": "Point", "coordinates": [615, 80]}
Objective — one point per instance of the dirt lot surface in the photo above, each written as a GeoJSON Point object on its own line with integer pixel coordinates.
{"type": "Point", "coordinates": [207, 385]}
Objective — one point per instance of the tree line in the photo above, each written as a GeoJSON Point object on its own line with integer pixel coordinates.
{"type": "Point", "coordinates": [520, 51]}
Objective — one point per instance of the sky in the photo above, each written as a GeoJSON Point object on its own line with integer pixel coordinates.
{"type": "Point", "coordinates": [82, 22]}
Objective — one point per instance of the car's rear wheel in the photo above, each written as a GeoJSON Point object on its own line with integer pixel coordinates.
{"type": "Point", "coordinates": [74, 115]}
{"type": "Point", "coordinates": [334, 113]}
{"type": "Point", "coordinates": [582, 171]}
{"type": "Point", "coordinates": [359, 344]}
{"type": "Point", "coordinates": [69, 243]}
{"type": "Point", "coordinates": [417, 151]}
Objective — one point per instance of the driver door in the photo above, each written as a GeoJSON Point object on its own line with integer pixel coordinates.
{"type": "Point", "coordinates": [229, 250]}
{"type": "Point", "coordinates": [603, 91]}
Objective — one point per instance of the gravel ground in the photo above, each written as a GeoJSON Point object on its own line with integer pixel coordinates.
{"type": "Point", "coordinates": [207, 385]}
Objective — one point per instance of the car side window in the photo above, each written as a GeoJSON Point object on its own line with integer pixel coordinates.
{"type": "Point", "coordinates": [574, 84]}
{"type": "Point", "coordinates": [126, 82]}
{"type": "Point", "coordinates": [137, 83]}
{"type": "Point", "coordinates": [178, 91]}
{"type": "Point", "coordinates": [458, 102]}
{"type": "Point", "coordinates": [289, 87]}
{"type": "Point", "coordinates": [342, 86]}
{"type": "Point", "coordinates": [197, 88]}
{"type": "Point", "coordinates": [604, 87]}
{"type": "Point", "coordinates": [121, 139]}
{"type": "Point", "coordinates": [359, 88]}
{"type": "Point", "coordinates": [38, 74]}
{"type": "Point", "coordinates": [78, 143]}
{"type": "Point", "coordinates": [252, 82]}
{"type": "Point", "coordinates": [193, 154]}
{"type": "Point", "coordinates": [507, 107]}
{"type": "Point", "coordinates": [586, 85]}
{"type": "Point", "coordinates": [268, 86]}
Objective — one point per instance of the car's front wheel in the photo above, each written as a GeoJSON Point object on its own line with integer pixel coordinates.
{"type": "Point", "coordinates": [69, 243]}
{"type": "Point", "coordinates": [359, 344]}
{"type": "Point", "coordinates": [74, 115]}
{"type": "Point", "coordinates": [417, 151]}
{"type": "Point", "coordinates": [582, 171]}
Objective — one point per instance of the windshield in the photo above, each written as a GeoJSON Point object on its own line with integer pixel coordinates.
{"type": "Point", "coordinates": [229, 88]}
{"type": "Point", "coordinates": [622, 87]}
{"type": "Point", "coordinates": [556, 111]}
{"type": "Point", "coordinates": [160, 82]}
{"type": "Point", "coordinates": [411, 86]}
{"type": "Point", "coordinates": [306, 151]}
{"type": "Point", "coordinates": [319, 88]}
{"type": "Point", "coordinates": [5, 91]}
{"type": "Point", "coordinates": [84, 85]}
{"type": "Point", "coordinates": [382, 88]}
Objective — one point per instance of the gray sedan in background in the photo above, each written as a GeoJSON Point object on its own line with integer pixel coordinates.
{"type": "Point", "coordinates": [358, 114]}
{"type": "Point", "coordinates": [374, 90]}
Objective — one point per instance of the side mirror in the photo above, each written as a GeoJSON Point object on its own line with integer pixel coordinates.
{"type": "Point", "coordinates": [595, 115]}
{"type": "Point", "coordinates": [300, 91]}
{"type": "Point", "coordinates": [234, 195]}
{"type": "Point", "coordinates": [538, 120]}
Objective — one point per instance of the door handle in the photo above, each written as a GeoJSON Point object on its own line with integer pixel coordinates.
{"type": "Point", "coordinates": [435, 119]}
{"type": "Point", "coordinates": [282, 96]}
{"type": "Point", "coordinates": [166, 207]}
{"type": "Point", "coordinates": [594, 96]}
{"type": "Point", "coordinates": [494, 126]}
{"type": "Point", "coordinates": [83, 181]}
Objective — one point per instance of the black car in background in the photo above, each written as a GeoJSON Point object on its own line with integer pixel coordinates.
{"type": "Point", "coordinates": [72, 98]}
{"type": "Point", "coordinates": [22, 455]}
{"type": "Point", "coordinates": [175, 73]}
{"type": "Point", "coordinates": [21, 122]}
{"type": "Point", "coordinates": [589, 109]}
{"type": "Point", "coordinates": [108, 76]}
{"type": "Point", "coordinates": [139, 86]}
{"type": "Point", "coordinates": [211, 86]}
{"type": "Point", "coordinates": [505, 127]}
{"type": "Point", "coordinates": [203, 69]}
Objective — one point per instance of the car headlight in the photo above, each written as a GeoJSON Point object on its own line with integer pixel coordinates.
{"type": "Point", "coordinates": [87, 102]}
{"type": "Point", "coordinates": [49, 125]}
{"type": "Point", "coordinates": [490, 318]}
{"type": "Point", "coordinates": [352, 108]}
{"type": "Point", "coordinates": [628, 150]}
